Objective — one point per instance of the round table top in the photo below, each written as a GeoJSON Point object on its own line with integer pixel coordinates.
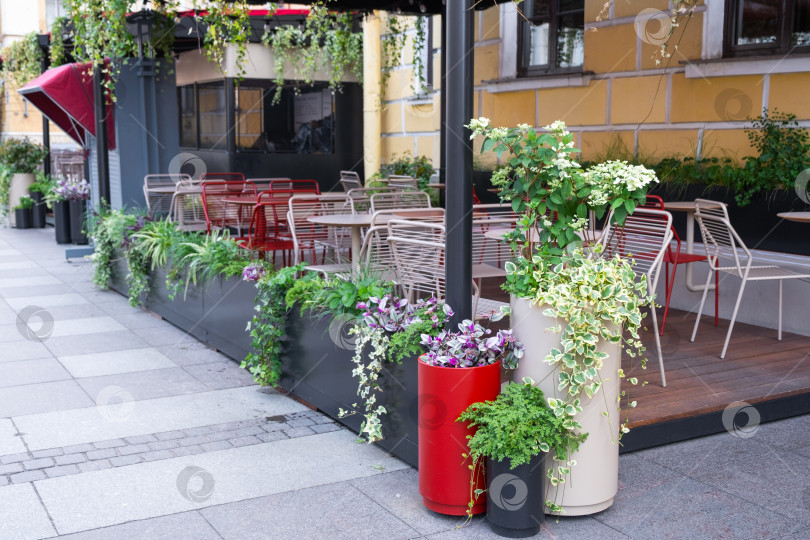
{"type": "Point", "coordinates": [680, 206]}
{"type": "Point", "coordinates": [801, 217]}
{"type": "Point", "coordinates": [342, 220]}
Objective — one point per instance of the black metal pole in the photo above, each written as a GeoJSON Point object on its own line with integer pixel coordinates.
{"type": "Point", "coordinates": [44, 44]}
{"type": "Point", "coordinates": [102, 159]}
{"type": "Point", "coordinates": [457, 158]}
{"type": "Point", "coordinates": [443, 100]}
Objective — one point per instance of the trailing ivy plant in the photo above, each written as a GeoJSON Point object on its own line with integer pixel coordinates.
{"type": "Point", "coordinates": [268, 325]}
{"type": "Point", "coordinates": [227, 24]}
{"type": "Point", "coordinates": [419, 84]}
{"type": "Point", "coordinates": [108, 236]}
{"type": "Point", "coordinates": [22, 60]}
{"type": "Point", "coordinates": [393, 41]}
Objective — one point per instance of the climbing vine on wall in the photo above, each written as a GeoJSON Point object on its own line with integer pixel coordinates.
{"type": "Point", "coordinates": [21, 60]}
{"type": "Point", "coordinates": [393, 41]}
{"type": "Point", "coordinates": [419, 85]}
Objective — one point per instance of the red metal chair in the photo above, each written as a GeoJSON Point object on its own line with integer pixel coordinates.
{"type": "Point", "coordinates": [675, 258]}
{"type": "Point", "coordinates": [219, 213]}
{"type": "Point", "coordinates": [222, 177]}
{"type": "Point", "coordinates": [265, 234]}
{"type": "Point", "coordinates": [305, 186]}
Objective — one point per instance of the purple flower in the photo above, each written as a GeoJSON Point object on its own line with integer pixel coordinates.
{"type": "Point", "coordinates": [253, 272]}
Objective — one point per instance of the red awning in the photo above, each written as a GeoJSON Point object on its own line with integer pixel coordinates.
{"type": "Point", "coordinates": [64, 95]}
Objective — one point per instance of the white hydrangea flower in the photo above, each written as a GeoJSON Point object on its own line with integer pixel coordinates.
{"type": "Point", "coordinates": [524, 127]}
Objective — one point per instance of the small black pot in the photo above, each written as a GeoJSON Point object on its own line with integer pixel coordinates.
{"type": "Point", "coordinates": [78, 211]}
{"type": "Point", "coordinates": [22, 218]}
{"type": "Point", "coordinates": [38, 211]}
{"type": "Point", "coordinates": [515, 497]}
{"type": "Point", "coordinates": [61, 221]}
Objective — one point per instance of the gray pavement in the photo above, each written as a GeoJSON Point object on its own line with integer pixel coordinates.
{"type": "Point", "coordinates": [118, 425]}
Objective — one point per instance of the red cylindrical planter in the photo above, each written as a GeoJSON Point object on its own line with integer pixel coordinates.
{"type": "Point", "coordinates": [444, 393]}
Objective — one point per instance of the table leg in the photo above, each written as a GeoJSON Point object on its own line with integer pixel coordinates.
{"type": "Point", "coordinates": [690, 248]}
{"type": "Point", "coordinates": [355, 248]}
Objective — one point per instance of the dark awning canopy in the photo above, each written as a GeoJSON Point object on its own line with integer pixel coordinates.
{"type": "Point", "coordinates": [65, 96]}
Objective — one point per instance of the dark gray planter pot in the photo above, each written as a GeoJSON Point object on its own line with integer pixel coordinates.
{"type": "Point", "coordinates": [61, 222]}
{"type": "Point", "coordinates": [22, 218]}
{"type": "Point", "coordinates": [227, 308]}
{"type": "Point", "coordinates": [185, 310]}
{"type": "Point", "coordinates": [38, 211]}
{"type": "Point", "coordinates": [515, 497]}
{"type": "Point", "coordinates": [78, 219]}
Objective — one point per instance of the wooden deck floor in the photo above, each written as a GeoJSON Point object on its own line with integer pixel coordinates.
{"type": "Point", "coordinates": [757, 368]}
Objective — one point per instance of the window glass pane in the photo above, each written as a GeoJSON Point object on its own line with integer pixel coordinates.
{"type": "Point", "coordinates": [213, 133]}
{"type": "Point", "coordinates": [801, 24]}
{"type": "Point", "coordinates": [313, 122]}
{"type": "Point", "coordinates": [757, 21]}
{"type": "Point", "coordinates": [571, 40]}
{"type": "Point", "coordinates": [250, 118]}
{"type": "Point", "coordinates": [188, 117]}
{"type": "Point", "coordinates": [535, 32]}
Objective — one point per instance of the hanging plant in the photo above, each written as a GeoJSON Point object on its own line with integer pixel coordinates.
{"type": "Point", "coordinates": [325, 40]}
{"type": "Point", "coordinates": [58, 53]}
{"type": "Point", "coordinates": [22, 60]}
{"type": "Point", "coordinates": [228, 24]}
{"type": "Point", "coordinates": [393, 41]}
{"type": "Point", "coordinates": [419, 85]}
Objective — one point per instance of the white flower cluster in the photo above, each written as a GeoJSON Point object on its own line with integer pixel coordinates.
{"type": "Point", "coordinates": [617, 174]}
{"type": "Point", "coordinates": [478, 126]}
{"type": "Point", "coordinates": [557, 127]}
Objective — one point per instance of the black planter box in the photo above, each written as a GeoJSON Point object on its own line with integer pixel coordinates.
{"type": "Point", "coordinates": [38, 211]}
{"type": "Point", "coordinates": [61, 222]}
{"type": "Point", "coordinates": [318, 371]}
{"type": "Point", "coordinates": [78, 216]}
{"type": "Point", "coordinates": [314, 368]}
{"type": "Point", "coordinates": [22, 218]}
{"type": "Point", "coordinates": [757, 223]}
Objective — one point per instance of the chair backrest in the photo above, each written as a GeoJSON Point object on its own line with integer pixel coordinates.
{"type": "Point", "coordinates": [487, 217]}
{"type": "Point", "coordinates": [360, 197]}
{"type": "Point", "coordinates": [350, 175]}
{"type": "Point", "coordinates": [644, 237]}
{"type": "Point", "coordinates": [263, 184]}
{"type": "Point", "coordinates": [402, 182]}
{"type": "Point", "coordinates": [349, 184]}
{"type": "Point", "coordinates": [156, 191]}
{"type": "Point", "coordinates": [434, 215]}
{"type": "Point", "coordinates": [222, 177]}
{"type": "Point", "coordinates": [376, 255]}
{"type": "Point", "coordinates": [311, 237]}
{"type": "Point", "coordinates": [306, 186]}
{"type": "Point", "coordinates": [219, 213]}
{"type": "Point", "coordinates": [399, 199]}
{"type": "Point", "coordinates": [719, 237]}
{"type": "Point", "coordinates": [187, 206]}
{"type": "Point", "coordinates": [418, 251]}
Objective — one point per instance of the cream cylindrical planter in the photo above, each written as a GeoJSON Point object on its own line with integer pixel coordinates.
{"type": "Point", "coordinates": [594, 480]}
{"type": "Point", "coordinates": [20, 182]}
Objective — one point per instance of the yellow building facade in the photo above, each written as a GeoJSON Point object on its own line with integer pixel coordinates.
{"type": "Point", "coordinates": [624, 98]}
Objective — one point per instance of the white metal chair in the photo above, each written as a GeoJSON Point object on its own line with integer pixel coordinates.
{"type": "Point", "coordinates": [727, 254]}
{"type": "Point", "coordinates": [434, 215]}
{"type": "Point", "coordinates": [158, 190]}
{"type": "Point", "coordinates": [333, 242]}
{"type": "Point", "coordinates": [403, 182]}
{"type": "Point", "coordinates": [350, 180]}
{"type": "Point", "coordinates": [399, 199]}
{"type": "Point", "coordinates": [644, 238]}
{"type": "Point", "coordinates": [489, 254]}
{"type": "Point", "coordinates": [418, 251]}
{"type": "Point", "coordinates": [360, 197]}
{"type": "Point", "coordinates": [186, 208]}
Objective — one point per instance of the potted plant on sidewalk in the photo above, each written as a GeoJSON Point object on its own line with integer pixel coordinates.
{"type": "Point", "coordinates": [586, 303]}
{"type": "Point", "coordinates": [22, 212]}
{"type": "Point", "coordinates": [514, 435]}
{"type": "Point", "coordinates": [61, 213]}
{"type": "Point", "coordinates": [76, 193]}
{"type": "Point", "coordinates": [39, 192]}
{"type": "Point", "coordinates": [22, 157]}
{"type": "Point", "coordinates": [459, 369]}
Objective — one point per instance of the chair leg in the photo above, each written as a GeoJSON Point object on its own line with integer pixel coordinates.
{"type": "Point", "coordinates": [668, 285]}
{"type": "Point", "coordinates": [716, 297]}
{"type": "Point", "coordinates": [779, 332]}
{"type": "Point", "coordinates": [658, 347]}
{"type": "Point", "coordinates": [733, 318]}
{"type": "Point", "coordinates": [702, 303]}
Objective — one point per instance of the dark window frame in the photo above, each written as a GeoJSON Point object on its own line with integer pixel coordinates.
{"type": "Point", "coordinates": [784, 33]}
{"type": "Point", "coordinates": [550, 68]}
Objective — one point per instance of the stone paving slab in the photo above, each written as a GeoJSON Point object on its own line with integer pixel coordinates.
{"type": "Point", "coordinates": [32, 399]}
{"type": "Point", "coordinates": [109, 497]}
{"type": "Point", "coordinates": [10, 443]}
{"type": "Point", "coordinates": [115, 362]}
{"type": "Point", "coordinates": [23, 516]}
{"type": "Point", "coordinates": [143, 385]}
{"type": "Point", "coordinates": [47, 301]}
{"type": "Point", "coordinates": [183, 526]}
{"type": "Point", "coordinates": [24, 350]}
{"type": "Point", "coordinates": [28, 283]}
{"type": "Point", "coordinates": [95, 343]}
{"type": "Point", "coordinates": [91, 325]}
{"type": "Point", "coordinates": [31, 372]}
{"type": "Point", "coordinates": [66, 427]}
{"type": "Point", "coordinates": [337, 510]}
